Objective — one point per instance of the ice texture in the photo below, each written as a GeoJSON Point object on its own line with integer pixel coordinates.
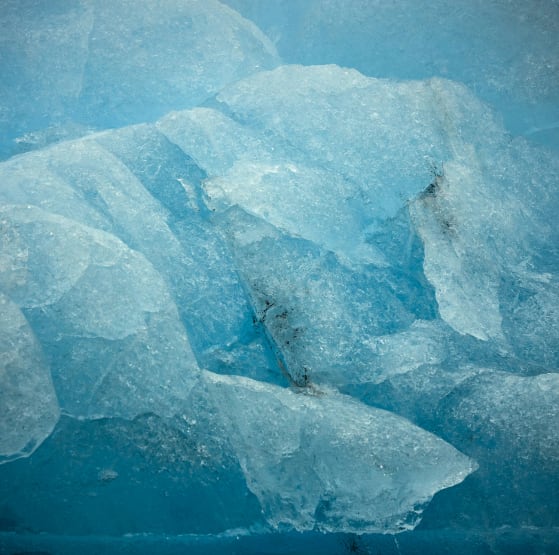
{"type": "Point", "coordinates": [108, 324]}
{"type": "Point", "coordinates": [189, 479]}
{"type": "Point", "coordinates": [338, 119]}
{"type": "Point", "coordinates": [29, 408]}
{"type": "Point", "coordinates": [506, 52]}
{"type": "Point", "coordinates": [328, 462]}
{"type": "Point", "coordinates": [98, 64]}
{"type": "Point", "coordinates": [242, 298]}
{"type": "Point", "coordinates": [104, 300]}
{"type": "Point", "coordinates": [476, 197]}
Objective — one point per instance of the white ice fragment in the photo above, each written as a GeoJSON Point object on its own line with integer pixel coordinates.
{"type": "Point", "coordinates": [457, 260]}
{"type": "Point", "coordinates": [305, 202]}
{"type": "Point", "coordinates": [424, 343]}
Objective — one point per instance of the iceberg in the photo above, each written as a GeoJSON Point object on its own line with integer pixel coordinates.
{"type": "Point", "coordinates": [262, 292]}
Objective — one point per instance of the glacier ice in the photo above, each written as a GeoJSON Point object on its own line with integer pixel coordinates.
{"type": "Point", "coordinates": [96, 64]}
{"type": "Point", "coordinates": [103, 314]}
{"type": "Point", "coordinates": [504, 51]}
{"type": "Point", "coordinates": [249, 301]}
{"type": "Point", "coordinates": [106, 313]}
{"type": "Point", "coordinates": [292, 448]}
{"type": "Point", "coordinates": [29, 404]}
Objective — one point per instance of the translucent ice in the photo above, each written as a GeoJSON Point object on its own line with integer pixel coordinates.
{"type": "Point", "coordinates": [327, 461]}
{"type": "Point", "coordinates": [485, 193]}
{"type": "Point", "coordinates": [305, 299]}
{"type": "Point", "coordinates": [112, 181]}
{"type": "Point", "coordinates": [376, 134]}
{"type": "Point", "coordinates": [517, 413]}
{"type": "Point", "coordinates": [29, 408]}
{"type": "Point", "coordinates": [106, 64]}
{"type": "Point", "coordinates": [104, 316]}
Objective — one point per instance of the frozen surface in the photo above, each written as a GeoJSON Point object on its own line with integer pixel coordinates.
{"type": "Point", "coordinates": [506, 52]}
{"type": "Point", "coordinates": [75, 65]}
{"type": "Point", "coordinates": [27, 396]}
{"type": "Point", "coordinates": [328, 462]}
{"type": "Point", "coordinates": [250, 305]}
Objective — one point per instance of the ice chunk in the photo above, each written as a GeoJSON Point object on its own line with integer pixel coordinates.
{"type": "Point", "coordinates": [423, 343]}
{"type": "Point", "coordinates": [329, 462]}
{"type": "Point", "coordinates": [511, 413]}
{"type": "Point", "coordinates": [110, 64]}
{"type": "Point", "coordinates": [250, 171]}
{"type": "Point", "coordinates": [102, 313]}
{"type": "Point", "coordinates": [28, 405]}
{"type": "Point", "coordinates": [467, 292]}
{"type": "Point", "coordinates": [117, 181]}
{"type": "Point", "coordinates": [311, 203]}
{"type": "Point", "coordinates": [380, 134]}
{"type": "Point", "coordinates": [485, 223]}
{"type": "Point", "coordinates": [512, 54]}
{"type": "Point", "coordinates": [214, 140]}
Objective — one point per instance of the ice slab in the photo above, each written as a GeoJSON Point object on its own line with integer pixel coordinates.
{"type": "Point", "coordinates": [327, 461]}
{"type": "Point", "coordinates": [29, 407]}
{"type": "Point", "coordinates": [380, 135]}
{"type": "Point", "coordinates": [317, 313]}
{"type": "Point", "coordinates": [117, 181]}
{"type": "Point", "coordinates": [485, 223]}
{"type": "Point", "coordinates": [105, 319]}
{"type": "Point", "coordinates": [510, 412]}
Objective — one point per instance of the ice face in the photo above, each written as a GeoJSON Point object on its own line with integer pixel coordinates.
{"type": "Point", "coordinates": [294, 174]}
{"type": "Point", "coordinates": [115, 314]}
